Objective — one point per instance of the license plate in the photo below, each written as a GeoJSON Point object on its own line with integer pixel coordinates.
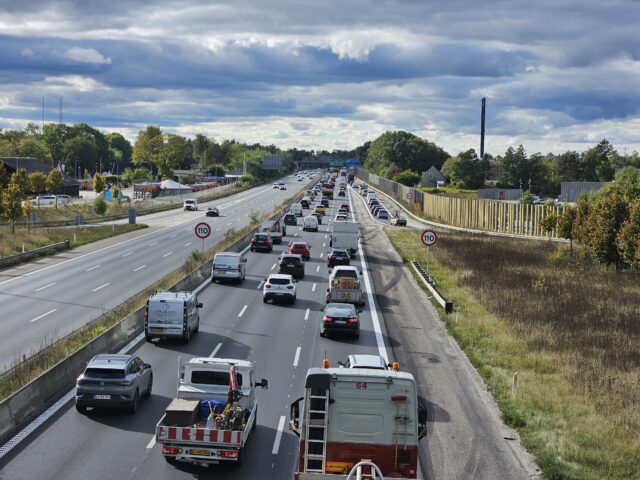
{"type": "Point", "coordinates": [156, 330]}
{"type": "Point", "coordinates": [102, 397]}
{"type": "Point", "coordinates": [345, 296]}
{"type": "Point", "coordinates": [291, 266]}
{"type": "Point", "coordinates": [341, 321]}
{"type": "Point", "coordinates": [199, 451]}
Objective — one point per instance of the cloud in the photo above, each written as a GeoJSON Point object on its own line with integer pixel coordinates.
{"type": "Point", "coordinates": [87, 55]}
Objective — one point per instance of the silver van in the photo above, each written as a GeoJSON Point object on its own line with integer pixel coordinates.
{"type": "Point", "coordinates": [228, 266]}
{"type": "Point", "coordinates": [172, 315]}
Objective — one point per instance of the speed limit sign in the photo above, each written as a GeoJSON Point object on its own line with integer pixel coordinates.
{"type": "Point", "coordinates": [428, 238]}
{"type": "Point", "coordinates": [203, 230]}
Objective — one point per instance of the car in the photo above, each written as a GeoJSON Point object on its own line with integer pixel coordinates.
{"type": "Point", "coordinates": [399, 221]}
{"type": "Point", "coordinates": [345, 206]}
{"type": "Point", "coordinates": [310, 224]}
{"type": "Point", "coordinates": [375, 209]}
{"type": "Point", "coordinates": [276, 185]}
{"type": "Point", "coordinates": [228, 266]}
{"type": "Point", "coordinates": [338, 256]}
{"type": "Point", "coordinates": [63, 199]}
{"type": "Point", "coordinates": [190, 204]}
{"type": "Point", "coordinates": [341, 193]}
{"type": "Point", "coordinates": [370, 362]}
{"type": "Point", "coordinates": [261, 242]}
{"type": "Point", "coordinates": [343, 211]}
{"type": "Point", "coordinates": [279, 286]}
{"type": "Point", "coordinates": [300, 179]}
{"type": "Point", "coordinates": [382, 214]}
{"type": "Point", "coordinates": [41, 200]}
{"type": "Point", "coordinates": [318, 216]}
{"type": "Point", "coordinates": [373, 202]}
{"type": "Point", "coordinates": [324, 202]}
{"type": "Point", "coordinates": [319, 209]}
{"type": "Point", "coordinates": [341, 217]}
{"type": "Point", "coordinates": [305, 202]}
{"type": "Point", "coordinates": [292, 264]}
{"type": "Point", "coordinates": [113, 381]}
{"type": "Point", "coordinates": [212, 212]}
{"type": "Point", "coordinates": [301, 248]}
{"type": "Point", "coordinates": [283, 186]}
{"type": "Point", "coordinates": [290, 219]}
{"type": "Point", "coordinates": [364, 191]}
{"type": "Point", "coordinates": [340, 318]}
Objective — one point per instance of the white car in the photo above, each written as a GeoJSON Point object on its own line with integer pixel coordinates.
{"type": "Point", "coordinates": [279, 286]}
{"type": "Point", "coordinates": [44, 200]}
{"type": "Point", "coordinates": [190, 204]}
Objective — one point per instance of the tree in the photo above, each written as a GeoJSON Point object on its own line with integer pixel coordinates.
{"type": "Point", "coordinates": [27, 208]}
{"type": "Point", "coordinates": [627, 183]}
{"type": "Point", "coordinates": [172, 153]}
{"type": "Point", "coordinates": [522, 171]}
{"type": "Point", "coordinates": [4, 176]}
{"type": "Point", "coordinates": [98, 183]}
{"type": "Point", "coordinates": [34, 148]}
{"type": "Point", "coordinates": [596, 162]}
{"type": "Point", "coordinates": [565, 224]}
{"type": "Point", "coordinates": [55, 182]}
{"type": "Point", "coordinates": [407, 178]}
{"type": "Point", "coordinates": [80, 151]}
{"type": "Point", "coordinates": [98, 138]}
{"type": "Point", "coordinates": [37, 182]}
{"type": "Point", "coordinates": [54, 136]}
{"type": "Point", "coordinates": [100, 205]}
{"type": "Point", "coordinates": [466, 170]}
{"type": "Point", "coordinates": [11, 204]}
{"type": "Point", "coordinates": [140, 173]}
{"type": "Point", "coordinates": [118, 143]}
{"type": "Point", "coordinates": [148, 146]}
{"type": "Point", "coordinates": [628, 239]}
{"type": "Point", "coordinates": [115, 193]}
{"type": "Point", "coordinates": [549, 222]}
{"type": "Point", "coordinates": [21, 178]}
{"type": "Point", "coordinates": [570, 167]}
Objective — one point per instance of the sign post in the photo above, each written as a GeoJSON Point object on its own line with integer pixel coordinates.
{"type": "Point", "coordinates": [428, 238]}
{"type": "Point", "coordinates": [203, 230]}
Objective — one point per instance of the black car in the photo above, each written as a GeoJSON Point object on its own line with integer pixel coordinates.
{"type": "Point", "coordinates": [338, 257]}
{"type": "Point", "coordinates": [340, 318]}
{"type": "Point", "coordinates": [292, 264]}
{"type": "Point", "coordinates": [341, 193]}
{"type": "Point", "coordinates": [325, 202]}
{"type": "Point", "coordinates": [290, 219]}
{"type": "Point", "coordinates": [212, 212]}
{"type": "Point", "coordinates": [318, 216]}
{"type": "Point", "coordinates": [261, 242]}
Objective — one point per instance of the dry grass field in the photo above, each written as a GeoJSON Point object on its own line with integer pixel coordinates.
{"type": "Point", "coordinates": [569, 328]}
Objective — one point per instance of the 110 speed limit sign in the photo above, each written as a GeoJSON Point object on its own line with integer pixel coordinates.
{"type": "Point", "coordinates": [203, 230]}
{"type": "Point", "coordinates": [428, 238]}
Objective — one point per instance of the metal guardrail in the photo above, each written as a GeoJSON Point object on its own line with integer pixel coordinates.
{"type": "Point", "coordinates": [35, 251]}
{"type": "Point", "coordinates": [426, 279]}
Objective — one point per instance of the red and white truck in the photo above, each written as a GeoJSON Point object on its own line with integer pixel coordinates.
{"type": "Point", "coordinates": [214, 413]}
{"type": "Point", "coordinates": [354, 415]}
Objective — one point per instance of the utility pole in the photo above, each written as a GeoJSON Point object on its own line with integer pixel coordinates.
{"type": "Point", "coordinates": [43, 113]}
{"type": "Point", "coordinates": [482, 117]}
{"type": "Point", "coordinates": [60, 111]}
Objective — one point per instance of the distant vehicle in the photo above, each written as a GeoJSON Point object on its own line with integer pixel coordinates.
{"type": "Point", "coordinates": [41, 200]}
{"type": "Point", "coordinates": [338, 256]}
{"type": "Point", "coordinates": [276, 185]}
{"type": "Point", "coordinates": [279, 286]}
{"type": "Point", "coordinates": [341, 217]}
{"type": "Point", "coordinates": [319, 209]}
{"type": "Point", "coordinates": [290, 219]}
{"type": "Point", "coordinates": [324, 202]}
{"type": "Point", "coordinates": [399, 221]}
{"type": "Point", "coordinates": [261, 242]}
{"type": "Point", "coordinates": [190, 204]}
{"type": "Point", "coordinates": [305, 202]}
{"type": "Point", "coordinates": [341, 193]}
{"type": "Point", "coordinates": [113, 381]}
{"type": "Point", "coordinates": [301, 248]}
{"type": "Point", "coordinates": [292, 264]}
{"type": "Point", "coordinates": [63, 199]}
{"type": "Point", "coordinates": [371, 362]}
{"type": "Point", "coordinates": [318, 216]}
{"type": "Point", "coordinates": [296, 209]}
{"type": "Point", "coordinates": [283, 186]}
{"type": "Point", "coordinates": [310, 224]}
{"type": "Point", "coordinates": [212, 212]}
{"type": "Point", "coordinates": [382, 215]}
{"type": "Point", "coordinates": [171, 315]}
{"type": "Point", "coordinates": [345, 206]}
{"type": "Point", "coordinates": [340, 318]}
{"type": "Point", "coordinates": [228, 266]}
{"type": "Point", "coordinates": [275, 228]}
{"type": "Point", "coordinates": [345, 286]}
{"type": "Point", "coordinates": [345, 235]}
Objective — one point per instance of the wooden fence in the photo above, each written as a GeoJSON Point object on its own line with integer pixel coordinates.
{"type": "Point", "coordinates": [477, 214]}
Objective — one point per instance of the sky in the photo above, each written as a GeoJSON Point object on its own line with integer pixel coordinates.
{"type": "Point", "coordinates": [557, 75]}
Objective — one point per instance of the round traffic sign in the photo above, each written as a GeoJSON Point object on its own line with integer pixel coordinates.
{"type": "Point", "coordinates": [203, 230]}
{"type": "Point", "coordinates": [428, 238]}
{"type": "Point", "coordinates": [408, 196]}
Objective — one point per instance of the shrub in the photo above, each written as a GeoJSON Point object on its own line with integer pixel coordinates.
{"type": "Point", "coordinates": [100, 205]}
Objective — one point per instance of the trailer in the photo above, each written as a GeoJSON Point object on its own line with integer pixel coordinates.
{"type": "Point", "coordinates": [214, 413]}
{"type": "Point", "coordinates": [345, 235]}
{"type": "Point", "coordinates": [275, 228]}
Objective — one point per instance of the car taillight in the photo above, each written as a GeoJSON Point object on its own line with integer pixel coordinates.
{"type": "Point", "coordinates": [81, 381]}
{"type": "Point", "coordinates": [327, 319]}
{"type": "Point", "coordinates": [267, 285]}
{"type": "Point", "coordinates": [170, 450]}
{"type": "Point", "coordinates": [289, 287]}
{"type": "Point", "coordinates": [253, 241]}
{"type": "Point", "coordinates": [282, 264]}
{"type": "Point", "coordinates": [352, 320]}
{"type": "Point", "coordinates": [146, 314]}
{"type": "Point", "coordinates": [229, 453]}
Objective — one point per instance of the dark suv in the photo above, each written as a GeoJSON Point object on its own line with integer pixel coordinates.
{"type": "Point", "coordinates": [338, 257]}
{"type": "Point", "coordinates": [113, 381]}
{"type": "Point", "coordinates": [290, 219]}
{"type": "Point", "coordinates": [292, 264]}
{"type": "Point", "coordinates": [261, 242]}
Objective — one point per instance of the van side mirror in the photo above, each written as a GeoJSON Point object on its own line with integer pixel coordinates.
{"type": "Point", "coordinates": [294, 417]}
{"type": "Point", "coordinates": [244, 260]}
{"type": "Point", "coordinates": [263, 384]}
{"type": "Point", "coordinates": [422, 422]}
{"type": "Point", "coordinates": [199, 305]}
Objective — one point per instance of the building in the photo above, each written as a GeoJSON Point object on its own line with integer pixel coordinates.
{"type": "Point", "coordinates": [31, 165]}
{"type": "Point", "coordinates": [432, 178]}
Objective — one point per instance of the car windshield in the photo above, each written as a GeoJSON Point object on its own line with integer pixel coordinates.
{"type": "Point", "coordinates": [343, 310]}
{"type": "Point", "coordinates": [261, 237]}
{"type": "Point", "coordinates": [298, 246]}
{"type": "Point", "coordinates": [279, 281]}
{"type": "Point", "coordinates": [339, 253]}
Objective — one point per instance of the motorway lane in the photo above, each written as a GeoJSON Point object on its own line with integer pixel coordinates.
{"type": "Point", "coordinates": [114, 445]}
{"type": "Point", "coordinates": [48, 303]}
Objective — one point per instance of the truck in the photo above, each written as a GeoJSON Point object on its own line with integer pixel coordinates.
{"type": "Point", "coordinates": [345, 286]}
{"type": "Point", "coordinates": [275, 229]}
{"type": "Point", "coordinates": [327, 189]}
{"type": "Point", "coordinates": [345, 235]}
{"type": "Point", "coordinates": [214, 413]}
{"type": "Point", "coordinates": [353, 416]}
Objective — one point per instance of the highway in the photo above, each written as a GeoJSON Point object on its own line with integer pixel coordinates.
{"type": "Point", "coordinates": [50, 302]}
{"type": "Point", "coordinates": [466, 436]}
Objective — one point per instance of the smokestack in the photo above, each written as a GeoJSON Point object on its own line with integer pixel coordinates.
{"type": "Point", "coordinates": [484, 102]}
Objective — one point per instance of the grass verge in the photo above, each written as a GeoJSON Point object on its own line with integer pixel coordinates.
{"type": "Point", "coordinates": [568, 328]}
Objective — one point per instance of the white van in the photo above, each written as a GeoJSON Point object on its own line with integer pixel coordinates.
{"type": "Point", "coordinates": [370, 196]}
{"type": "Point", "coordinates": [171, 315]}
{"type": "Point", "coordinates": [228, 266]}
{"type": "Point", "coordinates": [190, 204]}
{"type": "Point", "coordinates": [296, 209]}
{"type": "Point", "coordinates": [310, 223]}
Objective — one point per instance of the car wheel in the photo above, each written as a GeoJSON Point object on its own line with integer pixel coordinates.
{"type": "Point", "coordinates": [197, 329]}
{"type": "Point", "coordinates": [147, 338]}
{"type": "Point", "coordinates": [134, 404]}
{"type": "Point", "coordinates": [147, 394]}
{"type": "Point", "coordinates": [81, 409]}
{"type": "Point", "coordinates": [187, 336]}
{"type": "Point", "coordinates": [323, 333]}
{"type": "Point", "coordinates": [255, 421]}
{"type": "Point", "coordinates": [264, 299]}
{"type": "Point", "coordinates": [171, 460]}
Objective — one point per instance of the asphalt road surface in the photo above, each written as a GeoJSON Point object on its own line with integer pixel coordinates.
{"type": "Point", "coordinates": [465, 439]}
{"type": "Point", "coordinates": [48, 303]}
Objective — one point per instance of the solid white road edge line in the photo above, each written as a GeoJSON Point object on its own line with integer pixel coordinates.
{"type": "Point", "coordinates": [276, 442]}
{"type": "Point", "coordinates": [151, 443]}
{"type": "Point", "coordinates": [297, 357]}
{"type": "Point", "coordinates": [46, 286]}
{"type": "Point", "coordinates": [43, 315]}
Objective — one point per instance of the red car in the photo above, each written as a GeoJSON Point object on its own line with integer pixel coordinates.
{"type": "Point", "coordinates": [344, 206]}
{"type": "Point", "coordinates": [301, 248]}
